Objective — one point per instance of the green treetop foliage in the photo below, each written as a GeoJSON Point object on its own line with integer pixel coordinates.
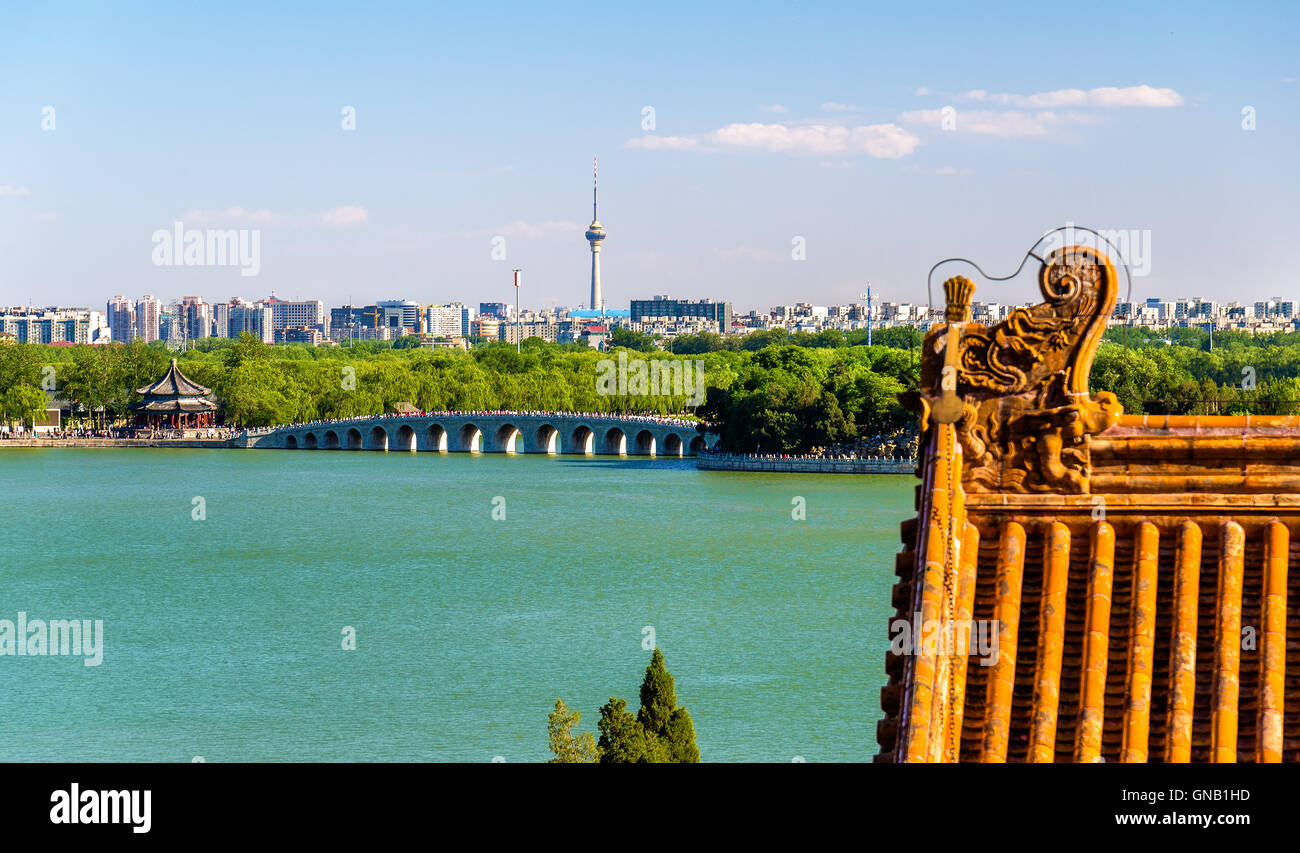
{"type": "Point", "coordinates": [568, 748]}
{"type": "Point", "coordinates": [660, 733]}
{"type": "Point", "coordinates": [22, 404]}
{"type": "Point", "coordinates": [789, 399]}
{"type": "Point", "coordinates": [629, 339]}
{"type": "Point", "coordinates": [661, 717]}
{"type": "Point", "coordinates": [770, 391]}
{"type": "Point", "coordinates": [657, 696]}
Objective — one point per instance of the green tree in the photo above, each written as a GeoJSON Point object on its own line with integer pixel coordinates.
{"type": "Point", "coordinates": [640, 341]}
{"type": "Point", "coordinates": [658, 698]}
{"type": "Point", "coordinates": [623, 740]}
{"type": "Point", "coordinates": [568, 748]}
{"type": "Point", "coordinates": [23, 404]}
{"type": "Point", "coordinates": [680, 737]}
{"type": "Point", "coordinates": [660, 716]}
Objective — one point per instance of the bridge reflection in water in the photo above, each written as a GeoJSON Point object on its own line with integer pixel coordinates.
{"type": "Point", "coordinates": [493, 433]}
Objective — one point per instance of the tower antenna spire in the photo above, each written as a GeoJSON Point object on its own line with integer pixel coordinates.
{"type": "Point", "coordinates": [595, 236]}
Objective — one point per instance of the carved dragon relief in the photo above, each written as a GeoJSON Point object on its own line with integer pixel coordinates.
{"type": "Point", "coordinates": [1018, 391]}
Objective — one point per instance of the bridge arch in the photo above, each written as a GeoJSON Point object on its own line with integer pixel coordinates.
{"type": "Point", "coordinates": [354, 439]}
{"type": "Point", "coordinates": [470, 439]}
{"type": "Point", "coordinates": [672, 444]}
{"type": "Point", "coordinates": [310, 441]}
{"type": "Point", "coordinates": [698, 444]}
{"type": "Point", "coordinates": [291, 442]}
{"type": "Point", "coordinates": [645, 443]}
{"type": "Point", "coordinates": [435, 438]}
{"type": "Point", "coordinates": [405, 439]}
{"type": "Point", "coordinates": [377, 439]}
{"type": "Point", "coordinates": [583, 440]}
{"type": "Point", "coordinates": [546, 440]}
{"type": "Point", "coordinates": [331, 440]}
{"type": "Point", "coordinates": [615, 442]}
{"type": "Point", "coordinates": [507, 439]}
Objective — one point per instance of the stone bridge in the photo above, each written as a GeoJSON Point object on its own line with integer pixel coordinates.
{"type": "Point", "coordinates": [492, 433]}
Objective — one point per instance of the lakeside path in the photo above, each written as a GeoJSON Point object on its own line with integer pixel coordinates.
{"type": "Point", "coordinates": [711, 462]}
{"type": "Point", "coordinates": [806, 465]}
{"type": "Point", "coordinates": [118, 442]}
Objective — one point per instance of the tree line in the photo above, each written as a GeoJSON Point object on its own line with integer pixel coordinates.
{"type": "Point", "coordinates": [770, 392]}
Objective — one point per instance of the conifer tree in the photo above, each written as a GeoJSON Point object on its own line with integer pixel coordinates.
{"type": "Point", "coordinates": [569, 749]}
{"type": "Point", "coordinates": [658, 699]}
{"type": "Point", "coordinates": [669, 725]}
{"type": "Point", "coordinates": [623, 740]}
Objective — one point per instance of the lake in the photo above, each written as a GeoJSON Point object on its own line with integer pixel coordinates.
{"type": "Point", "coordinates": [223, 637]}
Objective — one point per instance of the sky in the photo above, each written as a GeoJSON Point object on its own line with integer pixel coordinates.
{"type": "Point", "coordinates": [761, 153]}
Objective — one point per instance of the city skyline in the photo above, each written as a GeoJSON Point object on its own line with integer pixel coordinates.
{"type": "Point", "coordinates": [807, 175]}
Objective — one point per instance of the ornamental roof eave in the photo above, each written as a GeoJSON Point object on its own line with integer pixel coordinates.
{"type": "Point", "coordinates": [174, 384]}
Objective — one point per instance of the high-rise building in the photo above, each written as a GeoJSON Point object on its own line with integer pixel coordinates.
{"type": "Point", "coordinates": [495, 310]}
{"type": "Point", "coordinates": [121, 318]}
{"type": "Point", "coordinates": [661, 308]}
{"type": "Point", "coordinates": [54, 325]}
{"type": "Point", "coordinates": [400, 315]}
{"type": "Point", "coordinates": [310, 313]}
{"type": "Point", "coordinates": [485, 327]}
{"type": "Point", "coordinates": [171, 323]}
{"type": "Point", "coordinates": [346, 320]}
{"type": "Point", "coordinates": [444, 321]}
{"type": "Point", "coordinates": [516, 332]}
{"type": "Point", "coordinates": [239, 315]}
{"type": "Point", "coordinates": [595, 236]}
{"type": "Point", "coordinates": [196, 318]}
{"type": "Point", "coordinates": [148, 316]}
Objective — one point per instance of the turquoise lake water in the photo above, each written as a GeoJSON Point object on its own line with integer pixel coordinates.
{"type": "Point", "coordinates": [223, 636]}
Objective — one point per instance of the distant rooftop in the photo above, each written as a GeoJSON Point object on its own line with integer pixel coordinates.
{"type": "Point", "coordinates": [588, 314]}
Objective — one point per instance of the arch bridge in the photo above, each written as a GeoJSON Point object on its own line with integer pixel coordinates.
{"type": "Point", "coordinates": [495, 432]}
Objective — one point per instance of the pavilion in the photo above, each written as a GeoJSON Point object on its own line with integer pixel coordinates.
{"type": "Point", "coordinates": [175, 402]}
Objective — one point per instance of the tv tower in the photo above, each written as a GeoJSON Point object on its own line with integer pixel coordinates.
{"type": "Point", "coordinates": [595, 236]}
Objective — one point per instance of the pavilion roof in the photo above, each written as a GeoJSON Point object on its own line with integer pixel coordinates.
{"type": "Point", "coordinates": [174, 384]}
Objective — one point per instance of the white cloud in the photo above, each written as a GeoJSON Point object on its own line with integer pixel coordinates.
{"type": "Point", "coordinates": [1288, 79]}
{"type": "Point", "coordinates": [344, 216]}
{"type": "Point", "coordinates": [230, 216]}
{"type": "Point", "coordinates": [923, 90]}
{"type": "Point", "coordinates": [8, 190]}
{"type": "Point", "coordinates": [888, 141]}
{"type": "Point", "coordinates": [663, 143]}
{"type": "Point", "coordinates": [773, 108]}
{"type": "Point", "coordinates": [836, 107]}
{"type": "Point", "coordinates": [877, 140]}
{"type": "Point", "coordinates": [1106, 96]}
{"type": "Point", "coordinates": [46, 216]}
{"type": "Point", "coordinates": [1009, 124]}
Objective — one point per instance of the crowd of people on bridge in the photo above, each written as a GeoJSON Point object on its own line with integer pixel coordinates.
{"type": "Point", "coordinates": [816, 456]}
{"type": "Point", "coordinates": [65, 433]}
{"type": "Point", "coordinates": [639, 419]}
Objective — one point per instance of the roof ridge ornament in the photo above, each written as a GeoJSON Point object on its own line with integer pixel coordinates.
{"type": "Point", "coordinates": [1025, 412]}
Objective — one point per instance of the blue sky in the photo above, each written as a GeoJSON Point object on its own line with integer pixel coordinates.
{"type": "Point", "coordinates": [772, 121]}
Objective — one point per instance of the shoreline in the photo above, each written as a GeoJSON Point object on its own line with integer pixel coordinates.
{"type": "Point", "coordinates": [882, 465]}
{"type": "Point", "coordinates": [118, 442]}
{"type": "Point", "coordinates": [703, 463]}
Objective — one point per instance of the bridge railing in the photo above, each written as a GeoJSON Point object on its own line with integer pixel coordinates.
{"type": "Point", "coordinates": [640, 420]}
